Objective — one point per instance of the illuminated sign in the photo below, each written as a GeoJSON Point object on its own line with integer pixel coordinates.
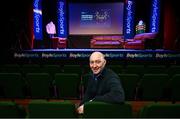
{"type": "Point", "coordinates": [129, 20]}
{"type": "Point", "coordinates": [37, 12]}
{"type": "Point", "coordinates": [155, 14]}
{"type": "Point", "coordinates": [62, 21]}
{"type": "Point", "coordinates": [109, 54]}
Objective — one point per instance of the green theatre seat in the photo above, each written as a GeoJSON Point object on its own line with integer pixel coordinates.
{"type": "Point", "coordinates": [10, 109]}
{"type": "Point", "coordinates": [160, 111]}
{"type": "Point", "coordinates": [107, 110]}
{"type": "Point", "coordinates": [50, 109]}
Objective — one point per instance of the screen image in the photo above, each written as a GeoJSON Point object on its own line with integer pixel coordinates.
{"type": "Point", "coordinates": [96, 18]}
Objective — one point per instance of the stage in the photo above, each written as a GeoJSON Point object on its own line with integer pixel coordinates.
{"type": "Point", "coordinates": [114, 54]}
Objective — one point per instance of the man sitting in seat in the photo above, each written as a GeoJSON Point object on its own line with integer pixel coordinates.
{"type": "Point", "coordinates": [103, 85]}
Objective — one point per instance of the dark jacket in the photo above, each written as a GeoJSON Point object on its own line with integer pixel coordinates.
{"type": "Point", "coordinates": [107, 88]}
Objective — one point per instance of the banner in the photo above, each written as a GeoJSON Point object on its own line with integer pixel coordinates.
{"type": "Point", "coordinates": [129, 19]}
{"type": "Point", "coordinates": [155, 16]}
{"type": "Point", "coordinates": [62, 19]}
{"type": "Point", "coordinates": [37, 21]}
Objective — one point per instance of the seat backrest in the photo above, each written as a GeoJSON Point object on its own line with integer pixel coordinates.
{"type": "Point", "coordinates": [107, 110]}
{"type": "Point", "coordinates": [129, 83]}
{"type": "Point", "coordinates": [30, 68]}
{"type": "Point", "coordinates": [51, 69]}
{"type": "Point", "coordinates": [67, 85]}
{"type": "Point", "coordinates": [134, 69]}
{"type": "Point", "coordinates": [153, 86]}
{"type": "Point", "coordinates": [50, 109]}
{"type": "Point", "coordinates": [39, 85]}
{"type": "Point", "coordinates": [72, 69]}
{"type": "Point", "coordinates": [155, 69]}
{"type": "Point", "coordinates": [116, 68]}
{"type": "Point", "coordinates": [85, 69]}
{"type": "Point", "coordinates": [13, 85]}
{"type": "Point", "coordinates": [175, 87]}
{"type": "Point", "coordinates": [10, 109]}
{"type": "Point", "coordinates": [173, 69]}
{"type": "Point", "coordinates": [84, 83]}
{"type": "Point", "coordinates": [160, 111]}
{"type": "Point", "coordinates": [10, 68]}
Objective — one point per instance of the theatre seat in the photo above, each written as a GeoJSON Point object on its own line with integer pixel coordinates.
{"type": "Point", "coordinates": [10, 68]}
{"type": "Point", "coordinates": [175, 87]}
{"type": "Point", "coordinates": [134, 69]}
{"type": "Point", "coordinates": [107, 42]}
{"type": "Point", "coordinates": [9, 109]}
{"type": "Point", "coordinates": [173, 69]}
{"type": "Point", "coordinates": [152, 87]}
{"type": "Point", "coordinates": [67, 85]}
{"type": "Point", "coordinates": [12, 85]}
{"type": "Point", "coordinates": [106, 110]}
{"type": "Point", "coordinates": [84, 83]}
{"type": "Point", "coordinates": [130, 83]}
{"type": "Point", "coordinates": [39, 85]}
{"type": "Point", "coordinates": [49, 109]}
{"type": "Point", "coordinates": [159, 110]}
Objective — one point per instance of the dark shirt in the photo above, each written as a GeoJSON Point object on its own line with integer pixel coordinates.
{"type": "Point", "coordinates": [107, 88]}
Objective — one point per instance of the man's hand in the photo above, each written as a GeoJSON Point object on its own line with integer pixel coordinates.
{"type": "Point", "coordinates": [80, 110]}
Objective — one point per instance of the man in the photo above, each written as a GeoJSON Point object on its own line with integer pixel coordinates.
{"type": "Point", "coordinates": [104, 85]}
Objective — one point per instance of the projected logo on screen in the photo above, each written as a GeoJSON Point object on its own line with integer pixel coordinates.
{"type": "Point", "coordinates": [96, 18]}
{"type": "Point", "coordinates": [99, 18]}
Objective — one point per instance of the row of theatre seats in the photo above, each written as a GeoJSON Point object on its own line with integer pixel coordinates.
{"type": "Point", "coordinates": [53, 83]}
{"type": "Point", "coordinates": [53, 89]}
{"type": "Point", "coordinates": [67, 109]}
{"type": "Point", "coordinates": [83, 69]}
{"type": "Point", "coordinates": [151, 87]}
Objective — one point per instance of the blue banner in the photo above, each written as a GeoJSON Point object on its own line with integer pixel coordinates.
{"type": "Point", "coordinates": [129, 19]}
{"type": "Point", "coordinates": [155, 16]}
{"type": "Point", "coordinates": [37, 21]}
{"type": "Point", "coordinates": [62, 19]}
